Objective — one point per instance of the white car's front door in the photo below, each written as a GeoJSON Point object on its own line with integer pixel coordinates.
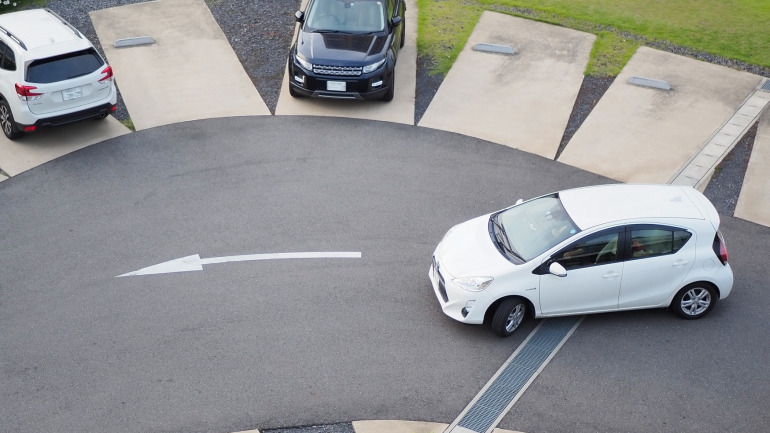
{"type": "Point", "coordinates": [593, 279]}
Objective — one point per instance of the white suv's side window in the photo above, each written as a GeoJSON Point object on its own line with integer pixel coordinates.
{"type": "Point", "coordinates": [7, 58]}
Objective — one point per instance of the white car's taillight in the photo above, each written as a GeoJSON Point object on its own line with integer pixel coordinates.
{"type": "Point", "coordinates": [107, 73]}
{"type": "Point", "coordinates": [720, 249]}
{"type": "Point", "coordinates": [27, 93]}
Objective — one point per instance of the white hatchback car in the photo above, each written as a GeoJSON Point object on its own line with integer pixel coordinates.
{"type": "Point", "coordinates": [586, 250]}
{"type": "Point", "coordinates": [50, 74]}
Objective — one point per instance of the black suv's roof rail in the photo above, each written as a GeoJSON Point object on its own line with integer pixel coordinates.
{"type": "Point", "coordinates": [74, 30]}
{"type": "Point", "coordinates": [12, 36]}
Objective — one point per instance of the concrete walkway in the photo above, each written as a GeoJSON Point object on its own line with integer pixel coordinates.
{"type": "Point", "coordinates": [643, 134]}
{"type": "Point", "coordinates": [399, 110]}
{"type": "Point", "coordinates": [754, 200]}
{"type": "Point", "coordinates": [190, 72]}
{"type": "Point", "coordinates": [522, 100]}
{"type": "Point", "coordinates": [46, 144]}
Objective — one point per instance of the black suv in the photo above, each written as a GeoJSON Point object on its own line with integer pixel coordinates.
{"type": "Point", "coordinates": [347, 49]}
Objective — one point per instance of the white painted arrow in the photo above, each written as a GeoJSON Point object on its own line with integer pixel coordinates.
{"type": "Point", "coordinates": [195, 263]}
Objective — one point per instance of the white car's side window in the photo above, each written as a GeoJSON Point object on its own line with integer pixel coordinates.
{"type": "Point", "coordinates": [594, 250]}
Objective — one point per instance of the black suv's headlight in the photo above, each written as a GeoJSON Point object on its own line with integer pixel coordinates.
{"type": "Point", "coordinates": [304, 64]}
{"type": "Point", "coordinates": [373, 67]}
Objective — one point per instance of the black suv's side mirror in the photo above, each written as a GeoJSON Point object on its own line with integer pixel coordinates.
{"type": "Point", "coordinates": [395, 21]}
{"type": "Point", "coordinates": [300, 16]}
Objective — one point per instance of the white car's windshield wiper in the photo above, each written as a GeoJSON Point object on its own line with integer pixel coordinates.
{"type": "Point", "coordinates": [502, 238]}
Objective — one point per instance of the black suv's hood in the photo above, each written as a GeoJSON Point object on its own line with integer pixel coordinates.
{"type": "Point", "coordinates": [341, 48]}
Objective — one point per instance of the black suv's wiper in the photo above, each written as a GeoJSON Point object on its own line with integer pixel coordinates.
{"type": "Point", "coordinates": [328, 31]}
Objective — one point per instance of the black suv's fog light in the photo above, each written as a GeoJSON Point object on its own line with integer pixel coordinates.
{"type": "Point", "coordinates": [300, 79]}
{"type": "Point", "coordinates": [377, 83]}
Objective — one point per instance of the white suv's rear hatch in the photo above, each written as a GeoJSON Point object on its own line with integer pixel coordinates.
{"type": "Point", "coordinates": [67, 81]}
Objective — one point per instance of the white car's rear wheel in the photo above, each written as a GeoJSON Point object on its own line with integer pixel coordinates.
{"type": "Point", "coordinates": [7, 123]}
{"type": "Point", "coordinates": [694, 301]}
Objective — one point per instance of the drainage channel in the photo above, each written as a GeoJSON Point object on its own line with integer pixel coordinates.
{"type": "Point", "coordinates": [497, 397]}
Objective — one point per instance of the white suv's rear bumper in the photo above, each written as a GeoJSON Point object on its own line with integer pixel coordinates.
{"type": "Point", "coordinates": [23, 117]}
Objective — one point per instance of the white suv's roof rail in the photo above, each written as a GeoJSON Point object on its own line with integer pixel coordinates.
{"type": "Point", "coordinates": [74, 30]}
{"type": "Point", "coordinates": [12, 36]}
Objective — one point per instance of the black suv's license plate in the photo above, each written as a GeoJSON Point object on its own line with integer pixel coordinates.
{"type": "Point", "coordinates": [336, 86]}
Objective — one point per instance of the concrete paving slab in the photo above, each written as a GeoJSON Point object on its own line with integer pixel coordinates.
{"type": "Point", "coordinates": [388, 426]}
{"type": "Point", "coordinates": [191, 71]}
{"type": "Point", "coordinates": [754, 200]}
{"type": "Point", "coordinates": [399, 110]}
{"type": "Point", "coordinates": [522, 101]}
{"type": "Point", "coordinates": [646, 135]}
{"type": "Point", "coordinates": [46, 144]}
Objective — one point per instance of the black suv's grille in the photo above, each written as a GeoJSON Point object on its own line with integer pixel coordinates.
{"type": "Point", "coordinates": [343, 71]}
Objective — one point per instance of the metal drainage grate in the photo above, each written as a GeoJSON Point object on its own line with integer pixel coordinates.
{"type": "Point", "coordinates": [766, 86]}
{"type": "Point", "coordinates": [484, 414]}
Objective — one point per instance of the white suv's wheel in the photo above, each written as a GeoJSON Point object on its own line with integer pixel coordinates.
{"type": "Point", "coordinates": [6, 121]}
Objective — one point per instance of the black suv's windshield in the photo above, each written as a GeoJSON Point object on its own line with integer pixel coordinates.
{"type": "Point", "coordinates": [533, 227]}
{"type": "Point", "coordinates": [362, 16]}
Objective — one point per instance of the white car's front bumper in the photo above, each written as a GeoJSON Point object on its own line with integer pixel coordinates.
{"type": "Point", "coordinates": [459, 304]}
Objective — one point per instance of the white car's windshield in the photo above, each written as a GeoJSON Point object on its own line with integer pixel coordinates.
{"type": "Point", "coordinates": [533, 227]}
{"type": "Point", "coordinates": [362, 16]}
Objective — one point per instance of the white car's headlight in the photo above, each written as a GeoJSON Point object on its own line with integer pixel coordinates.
{"type": "Point", "coordinates": [473, 284]}
{"type": "Point", "coordinates": [373, 67]}
{"type": "Point", "coordinates": [304, 63]}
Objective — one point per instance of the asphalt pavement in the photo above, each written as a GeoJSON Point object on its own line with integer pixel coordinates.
{"type": "Point", "coordinates": [269, 345]}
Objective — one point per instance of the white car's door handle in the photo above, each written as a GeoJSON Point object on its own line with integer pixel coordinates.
{"type": "Point", "coordinates": [612, 274]}
{"type": "Point", "coordinates": [681, 262]}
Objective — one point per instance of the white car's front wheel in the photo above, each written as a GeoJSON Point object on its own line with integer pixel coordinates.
{"type": "Point", "coordinates": [509, 316]}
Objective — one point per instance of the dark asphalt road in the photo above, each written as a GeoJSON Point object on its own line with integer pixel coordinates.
{"type": "Point", "coordinates": [272, 344]}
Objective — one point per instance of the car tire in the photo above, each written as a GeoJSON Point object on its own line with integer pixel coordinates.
{"type": "Point", "coordinates": [392, 90]}
{"type": "Point", "coordinates": [694, 301]}
{"type": "Point", "coordinates": [7, 123]}
{"type": "Point", "coordinates": [509, 315]}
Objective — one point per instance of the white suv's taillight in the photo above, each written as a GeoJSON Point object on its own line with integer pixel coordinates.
{"type": "Point", "coordinates": [27, 93]}
{"type": "Point", "coordinates": [107, 73]}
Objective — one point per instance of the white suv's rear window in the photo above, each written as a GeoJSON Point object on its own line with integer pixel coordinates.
{"type": "Point", "coordinates": [64, 67]}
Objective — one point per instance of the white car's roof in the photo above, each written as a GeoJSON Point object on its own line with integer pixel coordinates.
{"type": "Point", "coordinates": [38, 28]}
{"type": "Point", "coordinates": [596, 205]}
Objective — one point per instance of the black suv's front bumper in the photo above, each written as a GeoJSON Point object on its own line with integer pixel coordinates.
{"type": "Point", "coordinates": [374, 85]}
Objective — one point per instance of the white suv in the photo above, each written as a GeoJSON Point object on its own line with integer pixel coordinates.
{"type": "Point", "coordinates": [50, 74]}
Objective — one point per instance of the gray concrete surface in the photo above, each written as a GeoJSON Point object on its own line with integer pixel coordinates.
{"type": "Point", "coordinates": [399, 110]}
{"type": "Point", "coordinates": [190, 73]}
{"type": "Point", "coordinates": [522, 101]}
{"type": "Point", "coordinates": [47, 144]}
{"type": "Point", "coordinates": [645, 135]}
{"type": "Point", "coordinates": [754, 200]}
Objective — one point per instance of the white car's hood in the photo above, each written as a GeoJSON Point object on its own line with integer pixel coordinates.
{"type": "Point", "coordinates": [468, 251]}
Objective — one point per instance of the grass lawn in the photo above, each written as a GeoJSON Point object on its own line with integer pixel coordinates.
{"type": "Point", "coordinates": [735, 29]}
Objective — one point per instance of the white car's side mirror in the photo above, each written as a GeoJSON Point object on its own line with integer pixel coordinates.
{"type": "Point", "coordinates": [557, 269]}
